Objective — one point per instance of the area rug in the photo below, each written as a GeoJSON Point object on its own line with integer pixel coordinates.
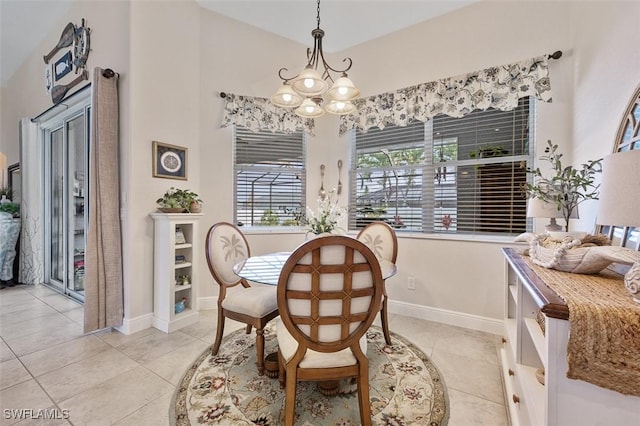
{"type": "Point", "coordinates": [405, 388]}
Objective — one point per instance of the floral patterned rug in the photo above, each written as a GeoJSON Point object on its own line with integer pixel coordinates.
{"type": "Point", "coordinates": [405, 388]}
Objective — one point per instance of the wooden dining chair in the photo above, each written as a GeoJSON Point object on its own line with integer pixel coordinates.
{"type": "Point", "coordinates": [382, 240]}
{"type": "Point", "coordinates": [253, 305]}
{"type": "Point", "coordinates": [329, 293]}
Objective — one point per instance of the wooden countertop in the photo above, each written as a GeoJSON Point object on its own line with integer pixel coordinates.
{"type": "Point", "coordinates": [547, 300]}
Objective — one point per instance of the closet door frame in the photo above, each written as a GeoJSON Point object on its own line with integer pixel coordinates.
{"type": "Point", "coordinates": [59, 120]}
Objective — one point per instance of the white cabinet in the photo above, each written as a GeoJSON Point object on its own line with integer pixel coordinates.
{"type": "Point", "coordinates": [531, 305]}
{"type": "Point", "coordinates": [177, 253]}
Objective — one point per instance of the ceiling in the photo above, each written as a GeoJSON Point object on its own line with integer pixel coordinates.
{"type": "Point", "coordinates": [346, 22]}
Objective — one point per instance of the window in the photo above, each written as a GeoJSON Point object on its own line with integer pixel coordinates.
{"type": "Point", "coordinates": [269, 177]}
{"type": "Point", "coordinates": [448, 175]}
{"type": "Point", "coordinates": [627, 139]}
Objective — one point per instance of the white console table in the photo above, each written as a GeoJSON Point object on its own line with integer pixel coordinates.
{"type": "Point", "coordinates": [560, 401]}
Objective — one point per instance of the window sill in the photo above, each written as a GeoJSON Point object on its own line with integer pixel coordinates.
{"type": "Point", "coordinates": [497, 239]}
{"type": "Point", "coordinates": [258, 230]}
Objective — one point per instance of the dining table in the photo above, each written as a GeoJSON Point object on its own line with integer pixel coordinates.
{"type": "Point", "coordinates": [266, 268]}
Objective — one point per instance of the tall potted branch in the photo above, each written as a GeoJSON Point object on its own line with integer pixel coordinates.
{"type": "Point", "coordinates": [568, 187]}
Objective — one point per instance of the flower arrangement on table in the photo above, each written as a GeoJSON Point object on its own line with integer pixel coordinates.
{"type": "Point", "coordinates": [327, 216]}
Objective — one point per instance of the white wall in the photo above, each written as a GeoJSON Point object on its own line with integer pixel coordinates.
{"type": "Point", "coordinates": [592, 83]}
{"type": "Point", "coordinates": [606, 74]}
{"type": "Point", "coordinates": [25, 94]}
{"type": "Point", "coordinates": [456, 276]}
{"type": "Point", "coordinates": [165, 84]}
{"type": "Point", "coordinates": [174, 58]}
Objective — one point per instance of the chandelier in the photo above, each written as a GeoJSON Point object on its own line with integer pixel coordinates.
{"type": "Point", "coordinates": [304, 91]}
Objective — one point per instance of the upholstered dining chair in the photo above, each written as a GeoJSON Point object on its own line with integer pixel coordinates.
{"type": "Point", "coordinates": [253, 305]}
{"type": "Point", "coordinates": [329, 293]}
{"type": "Point", "coordinates": [382, 240]}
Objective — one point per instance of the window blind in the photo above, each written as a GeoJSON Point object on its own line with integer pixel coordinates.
{"type": "Point", "coordinates": [448, 175]}
{"type": "Point", "coordinates": [270, 177]}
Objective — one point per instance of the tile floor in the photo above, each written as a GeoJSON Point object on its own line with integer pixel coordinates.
{"type": "Point", "coordinates": [107, 378]}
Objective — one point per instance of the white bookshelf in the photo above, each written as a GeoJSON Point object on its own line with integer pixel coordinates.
{"type": "Point", "coordinates": [173, 259]}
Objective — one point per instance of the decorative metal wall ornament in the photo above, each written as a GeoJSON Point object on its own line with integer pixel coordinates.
{"type": "Point", "coordinates": [74, 58]}
{"type": "Point", "coordinates": [81, 46]}
{"type": "Point", "coordinates": [63, 66]}
{"type": "Point", "coordinates": [58, 92]}
{"type": "Point", "coordinates": [66, 38]}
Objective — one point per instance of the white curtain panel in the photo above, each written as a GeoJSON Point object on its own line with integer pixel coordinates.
{"type": "Point", "coordinates": [31, 251]}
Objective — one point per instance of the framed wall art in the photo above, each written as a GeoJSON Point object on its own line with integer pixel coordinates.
{"type": "Point", "coordinates": [63, 66]}
{"type": "Point", "coordinates": [169, 161]}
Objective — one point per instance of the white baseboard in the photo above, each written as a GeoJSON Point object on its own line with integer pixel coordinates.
{"type": "Point", "coordinates": [459, 319]}
{"type": "Point", "coordinates": [133, 325]}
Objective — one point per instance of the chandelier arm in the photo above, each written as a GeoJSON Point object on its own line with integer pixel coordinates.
{"type": "Point", "coordinates": [312, 57]}
{"type": "Point", "coordinates": [343, 71]}
{"type": "Point", "coordinates": [285, 79]}
{"type": "Point", "coordinates": [328, 67]}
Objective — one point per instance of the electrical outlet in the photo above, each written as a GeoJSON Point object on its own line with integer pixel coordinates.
{"type": "Point", "coordinates": [411, 283]}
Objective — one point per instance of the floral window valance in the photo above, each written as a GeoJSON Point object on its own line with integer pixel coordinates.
{"type": "Point", "coordinates": [496, 87]}
{"type": "Point", "coordinates": [260, 114]}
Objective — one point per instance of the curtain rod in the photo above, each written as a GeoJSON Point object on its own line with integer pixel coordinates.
{"type": "Point", "coordinates": [555, 55]}
{"type": "Point", "coordinates": [109, 73]}
{"type": "Point", "coordinates": [62, 104]}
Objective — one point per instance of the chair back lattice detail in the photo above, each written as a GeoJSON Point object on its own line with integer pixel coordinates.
{"type": "Point", "coordinates": [381, 239]}
{"type": "Point", "coordinates": [329, 292]}
{"type": "Point", "coordinates": [225, 246]}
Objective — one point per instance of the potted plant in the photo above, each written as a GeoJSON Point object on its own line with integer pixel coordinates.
{"type": "Point", "coordinates": [568, 187]}
{"type": "Point", "coordinates": [7, 206]}
{"type": "Point", "coordinates": [177, 200]}
{"type": "Point", "coordinates": [10, 208]}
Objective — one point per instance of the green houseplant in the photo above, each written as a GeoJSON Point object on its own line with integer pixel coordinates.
{"type": "Point", "coordinates": [6, 203]}
{"type": "Point", "coordinates": [11, 208]}
{"type": "Point", "coordinates": [177, 200]}
{"type": "Point", "coordinates": [568, 187]}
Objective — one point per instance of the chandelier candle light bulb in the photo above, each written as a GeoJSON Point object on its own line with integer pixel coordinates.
{"type": "Point", "coordinates": [309, 109]}
{"type": "Point", "coordinates": [286, 97]}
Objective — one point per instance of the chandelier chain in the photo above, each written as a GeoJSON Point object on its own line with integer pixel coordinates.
{"type": "Point", "coordinates": [318, 15]}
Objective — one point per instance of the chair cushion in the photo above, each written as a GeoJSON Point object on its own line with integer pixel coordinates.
{"type": "Point", "coordinates": [313, 359]}
{"type": "Point", "coordinates": [254, 301]}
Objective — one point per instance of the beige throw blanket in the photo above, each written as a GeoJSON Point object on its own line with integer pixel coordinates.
{"type": "Point", "coordinates": [604, 343]}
